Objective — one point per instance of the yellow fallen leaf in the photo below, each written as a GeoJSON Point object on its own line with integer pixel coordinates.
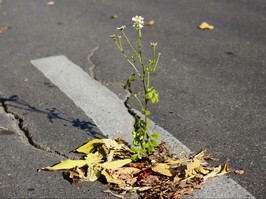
{"type": "Point", "coordinates": [163, 169]}
{"type": "Point", "coordinates": [191, 166]}
{"type": "Point", "coordinates": [110, 156]}
{"type": "Point", "coordinates": [206, 26]}
{"type": "Point", "coordinates": [177, 161]}
{"type": "Point", "coordinates": [70, 164]}
{"type": "Point", "coordinates": [177, 178]}
{"type": "Point", "coordinates": [110, 178]}
{"type": "Point", "coordinates": [202, 170]}
{"type": "Point", "coordinates": [89, 146]}
{"type": "Point", "coordinates": [201, 155]}
{"type": "Point", "coordinates": [93, 144]}
{"type": "Point", "coordinates": [93, 173]}
{"type": "Point", "coordinates": [112, 144]}
{"type": "Point", "coordinates": [217, 171]}
{"type": "Point", "coordinates": [145, 188]}
{"type": "Point", "coordinates": [67, 164]}
{"type": "Point", "coordinates": [115, 164]}
{"type": "Point", "coordinates": [77, 174]}
{"type": "Point", "coordinates": [213, 173]}
{"type": "Point", "coordinates": [97, 156]}
{"type": "Point", "coordinates": [224, 168]}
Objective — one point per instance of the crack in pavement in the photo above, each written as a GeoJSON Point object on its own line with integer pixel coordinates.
{"type": "Point", "coordinates": [92, 73]}
{"type": "Point", "coordinates": [26, 135]}
{"type": "Point", "coordinates": [92, 65]}
{"type": "Point", "coordinates": [127, 95]}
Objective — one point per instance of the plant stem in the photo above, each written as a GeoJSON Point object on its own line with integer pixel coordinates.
{"type": "Point", "coordinates": [145, 85]}
{"type": "Point", "coordinates": [129, 43]}
{"type": "Point", "coordinates": [120, 47]}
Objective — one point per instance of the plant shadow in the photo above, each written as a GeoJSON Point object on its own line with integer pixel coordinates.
{"type": "Point", "coordinates": [52, 115]}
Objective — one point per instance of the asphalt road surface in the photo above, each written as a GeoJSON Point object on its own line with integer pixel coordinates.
{"type": "Point", "coordinates": [212, 83]}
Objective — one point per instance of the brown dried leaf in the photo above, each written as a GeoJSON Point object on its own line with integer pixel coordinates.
{"type": "Point", "coordinates": [149, 23]}
{"type": "Point", "coordinates": [128, 171]}
{"type": "Point", "coordinates": [150, 180]}
{"type": "Point", "coordinates": [3, 29]}
{"type": "Point", "coordinates": [115, 16]}
{"type": "Point", "coordinates": [139, 165]}
{"type": "Point", "coordinates": [237, 172]}
{"type": "Point", "coordinates": [125, 174]}
{"type": "Point", "coordinates": [184, 191]}
{"type": "Point", "coordinates": [145, 173]}
{"type": "Point", "coordinates": [162, 152]}
{"type": "Point", "coordinates": [50, 3]}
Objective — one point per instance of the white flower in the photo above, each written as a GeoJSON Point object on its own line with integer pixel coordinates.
{"type": "Point", "coordinates": [138, 19]}
{"type": "Point", "coordinates": [121, 28]}
{"type": "Point", "coordinates": [138, 22]}
{"type": "Point", "coordinates": [153, 44]}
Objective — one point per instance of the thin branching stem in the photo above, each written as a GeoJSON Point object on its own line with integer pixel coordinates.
{"type": "Point", "coordinates": [120, 47]}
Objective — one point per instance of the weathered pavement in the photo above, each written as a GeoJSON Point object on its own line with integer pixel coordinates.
{"type": "Point", "coordinates": [19, 161]}
{"type": "Point", "coordinates": [212, 83]}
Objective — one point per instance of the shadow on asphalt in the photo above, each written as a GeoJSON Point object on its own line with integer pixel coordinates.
{"type": "Point", "coordinates": [52, 114]}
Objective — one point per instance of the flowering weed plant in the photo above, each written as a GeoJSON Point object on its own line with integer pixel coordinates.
{"type": "Point", "coordinates": [144, 142]}
{"type": "Point", "coordinates": [160, 174]}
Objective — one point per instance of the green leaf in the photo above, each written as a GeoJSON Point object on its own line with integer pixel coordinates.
{"type": "Point", "coordinates": [143, 152]}
{"type": "Point", "coordinates": [134, 134]}
{"type": "Point", "coordinates": [156, 135]}
{"type": "Point", "coordinates": [145, 145]}
{"type": "Point", "coordinates": [155, 98]}
{"type": "Point", "coordinates": [152, 95]}
{"type": "Point", "coordinates": [129, 81]}
{"type": "Point", "coordinates": [136, 142]}
{"type": "Point", "coordinates": [150, 149]}
{"type": "Point", "coordinates": [147, 112]}
{"type": "Point", "coordinates": [135, 149]}
{"type": "Point", "coordinates": [133, 77]}
{"type": "Point", "coordinates": [149, 93]}
{"type": "Point", "coordinates": [134, 157]}
{"type": "Point", "coordinates": [154, 143]}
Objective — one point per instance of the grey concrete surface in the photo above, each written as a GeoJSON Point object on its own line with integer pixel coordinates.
{"type": "Point", "coordinates": [212, 83]}
{"type": "Point", "coordinates": [19, 163]}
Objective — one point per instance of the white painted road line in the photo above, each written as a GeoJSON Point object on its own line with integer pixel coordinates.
{"type": "Point", "coordinates": [99, 103]}
{"type": "Point", "coordinates": [110, 115]}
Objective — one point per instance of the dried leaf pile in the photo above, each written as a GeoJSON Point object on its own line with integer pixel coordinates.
{"type": "Point", "coordinates": [160, 175]}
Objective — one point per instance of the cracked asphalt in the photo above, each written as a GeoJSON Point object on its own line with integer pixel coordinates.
{"type": "Point", "coordinates": [211, 84]}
